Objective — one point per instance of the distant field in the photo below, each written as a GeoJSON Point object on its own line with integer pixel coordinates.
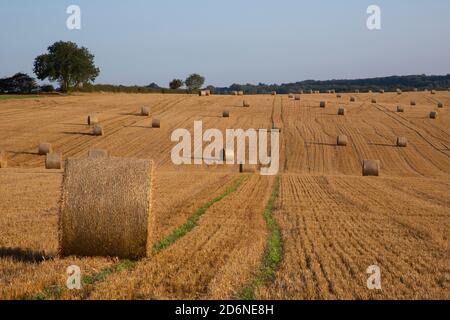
{"type": "Point", "coordinates": [333, 222]}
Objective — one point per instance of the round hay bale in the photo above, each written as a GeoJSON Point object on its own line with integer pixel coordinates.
{"type": "Point", "coordinates": [234, 93]}
{"type": "Point", "coordinates": [91, 120]}
{"type": "Point", "coordinates": [291, 96]}
{"type": "Point", "coordinates": [240, 93]}
{"type": "Point", "coordinates": [399, 91]}
{"type": "Point", "coordinates": [341, 111]}
{"type": "Point", "coordinates": [402, 142]}
{"type": "Point", "coordinates": [342, 140]}
{"type": "Point", "coordinates": [374, 100]}
{"type": "Point", "coordinates": [297, 97]}
{"type": "Point", "coordinates": [433, 92]}
{"type": "Point", "coordinates": [248, 168]}
{"type": "Point", "coordinates": [356, 91]}
{"type": "Point", "coordinates": [225, 114]}
{"type": "Point", "coordinates": [227, 155]}
{"type": "Point", "coordinates": [274, 93]}
{"type": "Point", "coordinates": [381, 91]}
{"type": "Point", "coordinates": [371, 168]}
{"type": "Point", "coordinates": [352, 99]}
{"type": "Point", "coordinates": [415, 90]}
{"type": "Point", "coordinates": [245, 104]}
{"type": "Point", "coordinates": [156, 123]}
{"type": "Point", "coordinates": [338, 96]}
{"type": "Point", "coordinates": [106, 208]}
{"type": "Point", "coordinates": [44, 148]}
{"type": "Point", "coordinates": [440, 105]}
{"type": "Point", "coordinates": [53, 161]}
{"type": "Point", "coordinates": [145, 112]}
{"type": "Point", "coordinates": [323, 104]}
{"type": "Point", "coordinates": [311, 91]}
{"type": "Point", "coordinates": [98, 130]}
{"type": "Point", "coordinates": [98, 153]}
{"type": "Point", "coordinates": [413, 103]}
{"type": "Point", "coordinates": [3, 159]}
{"type": "Point", "coordinates": [433, 115]}
{"type": "Point", "coordinates": [400, 109]}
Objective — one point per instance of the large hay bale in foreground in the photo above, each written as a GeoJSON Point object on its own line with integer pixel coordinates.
{"type": "Point", "coordinates": [402, 142]}
{"type": "Point", "coordinates": [98, 153]}
{"type": "Point", "coordinates": [413, 103]}
{"type": "Point", "coordinates": [106, 208]}
{"type": "Point", "coordinates": [400, 109]}
{"type": "Point", "coordinates": [98, 130]}
{"type": "Point", "coordinates": [3, 159]}
{"type": "Point", "coordinates": [371, 168]}
{"type": "Point", "coordinates": [91, 120]}
{"type": "Point", "coordinates": [145, 112]}
{"type": "Point", "coordinates": [433, 115]}
{"type": "Point", "coordinates": [226, 114]}
{"type": "Point", "coordinates": [342, 140]}
{"type": "Point", "coordinates": [323, 104]}
{"type": "Point", "coordinates": [44, 148]}
{"type": "Point", "coordinates": [156, 123]}
{"type": "Point", "coordinates": [341, 111]}
{"type": "Point", "coordinates": [53, 161]}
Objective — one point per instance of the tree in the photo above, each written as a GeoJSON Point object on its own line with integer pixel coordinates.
{"type": "Point", "coordinates": [194, 82]}
{"type": "Point", "coordinates": [47, 88]}
{"type": "Point", "coordinates": [176, 84]}
{"type": "Point", "coordinates": [68, 64]}
{"type": "Point", "coordinates": [18, 83]}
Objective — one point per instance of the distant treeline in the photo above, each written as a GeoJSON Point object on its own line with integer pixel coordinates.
{"type": "Point", "coordinates": [22, 83]}
{"type": "Point", "coordinates": [405, 83]}
{"type": "Point", "coordinates": [152, 88]}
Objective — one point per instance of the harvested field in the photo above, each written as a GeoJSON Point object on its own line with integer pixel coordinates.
{"type": "Point", "coordinates": [334, 223]}
{"type": "Point", "coordinates": [334, 227]}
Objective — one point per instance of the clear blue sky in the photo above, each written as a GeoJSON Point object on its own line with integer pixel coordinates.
{"type": "Point", "coordinates": [141, 41]}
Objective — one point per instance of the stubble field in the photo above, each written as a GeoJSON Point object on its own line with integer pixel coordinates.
{"type": "Point", "coordinates": [333, 222]}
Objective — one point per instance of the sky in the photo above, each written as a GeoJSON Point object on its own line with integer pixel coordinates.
{"type": "Point", "coordinates": [233, 41]}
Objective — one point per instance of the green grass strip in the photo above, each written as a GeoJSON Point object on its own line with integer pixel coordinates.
{"type": "Point", "coordinates": [274, 251]}
{"type": "Point", "coordinates": [193, 219]}
{"type": "Point", "coordinates": [16, 97]}
{"type": "Point", "coordinates": [56, 292]}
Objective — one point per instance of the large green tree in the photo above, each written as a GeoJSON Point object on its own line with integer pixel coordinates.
{"type": "Point", "coordinates": [194, 82]}
{"type": "Point", "coordinates": [65, 62]}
